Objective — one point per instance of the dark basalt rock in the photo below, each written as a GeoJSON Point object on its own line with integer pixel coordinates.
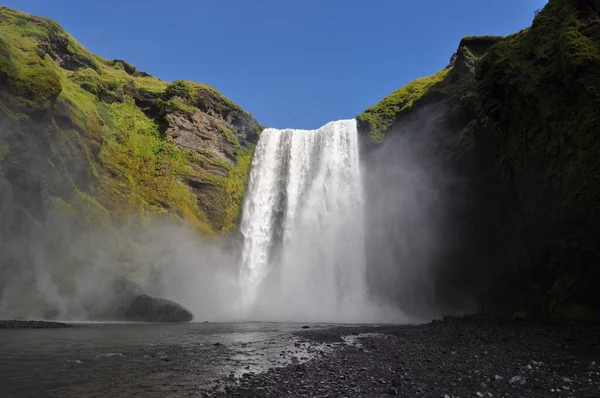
{"type": "Point", "coordinates": [150, 309]}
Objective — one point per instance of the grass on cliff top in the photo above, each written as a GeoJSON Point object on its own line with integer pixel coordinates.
{"type": "Point", "coordinates": [33, 79]}
{"type": "Point", "coordinates": [379, 118]}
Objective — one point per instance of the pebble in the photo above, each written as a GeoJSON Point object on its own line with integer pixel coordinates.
{"type": "Point", "coordinates": [517, 380]}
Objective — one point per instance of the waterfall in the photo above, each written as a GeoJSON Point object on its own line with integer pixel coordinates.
{"type": "Point", "coordinates": [303, 256]}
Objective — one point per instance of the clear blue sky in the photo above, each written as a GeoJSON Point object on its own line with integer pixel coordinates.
{"type": "Point", "coordinates": [290, 63]}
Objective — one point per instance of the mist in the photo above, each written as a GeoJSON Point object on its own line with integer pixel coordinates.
{"type": "Point", "coordinates": [61, 254]}
{"type": "Point", "coordinates": [67, 273]}
{"type": "Point", "coordinates": [332, 231]}
{"type": "Point", "coordinates": [413, 229]}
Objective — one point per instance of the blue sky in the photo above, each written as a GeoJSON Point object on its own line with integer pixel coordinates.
{"type": "Point", "coordinates": [290, 63]}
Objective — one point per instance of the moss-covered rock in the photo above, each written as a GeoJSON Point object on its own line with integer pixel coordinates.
{"type": "Point", "coordinates": [517, 118]}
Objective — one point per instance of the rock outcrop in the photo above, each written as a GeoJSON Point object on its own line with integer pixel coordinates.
{"type": "Point", "coordinates": [149, 309]}
{"type": "Point", "coordinates": [510, 130]}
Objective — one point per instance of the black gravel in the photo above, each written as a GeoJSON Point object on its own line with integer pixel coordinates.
{"type": "Point", "coordinates": [451, 358]}
{"type": "Point", "coordinates": [32, 325]}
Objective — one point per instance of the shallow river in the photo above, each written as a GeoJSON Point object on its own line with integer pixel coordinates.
{"type": "Point", "coordinates": [125, 360]}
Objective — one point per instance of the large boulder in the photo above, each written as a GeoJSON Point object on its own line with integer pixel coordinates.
{"type": "Point", "coordinates": [122, 300]}
{"type": "Point", "coordinates": [150, 309]}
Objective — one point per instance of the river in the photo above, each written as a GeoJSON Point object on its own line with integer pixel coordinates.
{"type": "Point", "coordinates": [149, 360]}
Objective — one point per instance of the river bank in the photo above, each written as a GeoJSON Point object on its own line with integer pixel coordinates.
{"type": "Point", "coordinates": [14, 324]}
{"type": "Point", "coordinates": [450, 358]}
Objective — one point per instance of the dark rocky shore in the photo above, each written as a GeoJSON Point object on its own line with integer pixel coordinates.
{"type": "Point", "coordinates": [451, 358]}
{"type": "Point", "coordinates": [9, 324]}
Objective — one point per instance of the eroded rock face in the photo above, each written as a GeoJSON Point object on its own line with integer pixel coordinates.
{"type": "Point", "coordinates": [150, 309]}
{"type": "Point", "coordinates": [199, 131]}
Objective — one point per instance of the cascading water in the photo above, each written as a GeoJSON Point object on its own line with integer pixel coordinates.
{"type": "Point", "coordinates": [303, 226]}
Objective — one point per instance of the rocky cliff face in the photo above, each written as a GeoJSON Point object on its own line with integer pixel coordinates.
{"type": "Point", "coordinates": [507, 136]}
{"type": "Point", "coordinates": [92, 144]}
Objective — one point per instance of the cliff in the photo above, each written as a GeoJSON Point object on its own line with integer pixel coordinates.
{"type": "Point", "coordinates": [90, 144]}
{"type": "Point", "coordinates": [513, 121]}
{"type": "Point", "coordinates": [124, 140]}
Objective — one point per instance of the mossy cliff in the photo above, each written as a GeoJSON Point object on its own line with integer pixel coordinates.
{"type": "Point", "coordinates": [97, 137]}
{"type": "Point", "coordinates": [516, 119]}
{"type": "Point", "coordinates": [92, 150]}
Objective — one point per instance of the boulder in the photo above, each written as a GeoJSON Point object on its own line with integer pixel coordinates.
{"type": "Point", "coordinates": [150, 309]}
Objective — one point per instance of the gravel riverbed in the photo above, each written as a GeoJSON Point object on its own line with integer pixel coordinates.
{"type": "Point", "coordinates": [447, 359]}
{"type": "Point", "coordinates": [12, 324]}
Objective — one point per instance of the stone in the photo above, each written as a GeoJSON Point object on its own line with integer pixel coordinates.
{"type": "Point", "coordinates": [150, 309]}
{"type": "Point", "coordinates": [517, 380]}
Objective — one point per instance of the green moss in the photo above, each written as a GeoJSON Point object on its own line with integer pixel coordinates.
{"type": "Point", "coordinates": [379, 118]}
{"type": "Point", "coordinates": [235, 189]}
{"type": "Point", "coordinates": [215, 161]}
{"type": "Point", "coordinates": [91, 212]}
{"type": "Point", "coordinates": [11, 113]}
{"type": "Point", "coordinates": [181, 89]}
{"type": "Point", "coordinates": [61, 208]}
{"type": "Point", "coordinates": [119, 78]}
{"type": "Point", "coordinates": [4, 148]}
{"type": "Point", "coordinates": [147, 167]}
{"type": "Point", "coordinates": [230, 136]}
{"type": "Point", "coordinates": [82, 107]}
{"type": "Point", "coordinates": [34, 81]}
{"type": "Point", "coordinates": [176, 104]}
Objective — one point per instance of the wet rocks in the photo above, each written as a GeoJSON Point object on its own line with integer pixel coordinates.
{"type": "Point", "coordinates": [517, 381]}
{"type": "Point", "coordinates": [454, 358]}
